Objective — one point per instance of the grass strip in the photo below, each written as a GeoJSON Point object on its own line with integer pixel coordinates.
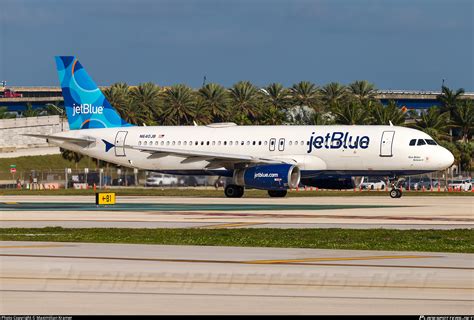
{"type": "Point", "coordinates": [459, 240]}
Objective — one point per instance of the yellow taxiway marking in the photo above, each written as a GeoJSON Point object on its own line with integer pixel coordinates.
{"type": "Point", "coordinates": [10, 202]}
{"type": "Point", "coordinates": [336, 259]}
{"type": "Point", "coordinates": [34, 246]}
{"type": "Point", "coordinates": [229, 225]}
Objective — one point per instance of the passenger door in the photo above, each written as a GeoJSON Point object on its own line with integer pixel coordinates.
{"type": "Point", "coordinates": [386, 144]}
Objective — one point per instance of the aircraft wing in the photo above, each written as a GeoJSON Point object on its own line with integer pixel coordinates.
{"type": "Point", "coordinates": [65, 139]}
{"type": "Point", "coordinates": [194, 155]}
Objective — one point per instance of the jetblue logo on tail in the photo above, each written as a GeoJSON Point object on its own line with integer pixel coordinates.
{"type": "Point", "coordinates": [108, 145]}
{"type": "Point", "coordinates": [86, 108]}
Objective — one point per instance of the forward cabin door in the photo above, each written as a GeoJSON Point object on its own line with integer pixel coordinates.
{"type": "Point", "coordinates": [386, 144]}
{"type": "Point", "coordinates": [120, 143]}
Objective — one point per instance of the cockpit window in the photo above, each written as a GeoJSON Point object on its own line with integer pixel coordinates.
{"type": "Point", "coordinates": [412, 142]}
{"type": "Point", "coordinates": [421, 142]}
{"type": "Point", "coordinates": [430, 142]}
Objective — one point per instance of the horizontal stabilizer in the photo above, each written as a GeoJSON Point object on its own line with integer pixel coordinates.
{"type": "Point", "coordinates": [66, 139]}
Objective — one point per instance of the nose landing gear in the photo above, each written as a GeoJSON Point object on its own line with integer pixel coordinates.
{"type": "Point", "coordinates": [396, 191]}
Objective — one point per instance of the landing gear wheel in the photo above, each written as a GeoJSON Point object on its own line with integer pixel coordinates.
{"type": "Point", "coordinates": [234, 191]}
{"type": "Point", "coordinates": [395, 193]}
{"type": "Point", "coordinates": [277, 193]}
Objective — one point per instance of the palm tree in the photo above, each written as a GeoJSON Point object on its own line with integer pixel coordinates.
{"type": "Point", "coordinates": [273, 116]}
{"type": "Point", "coordinates": [383, 115]}
{"type": "Point", "coordinates": [463, 118]}
{"type": "Point", "coordinates": [333, 93]}
{"type": "Point", "coordinates": [434, 123]}
{"type": "Point", "coordinates": [179, 105]}
{"type": "Point", "coordinates": [276, 95]}
{"type": "Point", "coordinates": [244, 99]}
{"type": "Point", "coordinates": [351, 114]}
{"type": "Point", "coordinates": [215, 99]}
{"type": "Point", "coordinates": [449, 99]}
{"type": "Point", "coordinates": [363, 91]}
{"type": "Point", "coordinates": [30, 112]}
{"type": "Point", "coordinates": [146, 97]}
{"type": "Point", "coordinates": [305, 93]}
{"type": "Point", "coordinates": [118, 95]}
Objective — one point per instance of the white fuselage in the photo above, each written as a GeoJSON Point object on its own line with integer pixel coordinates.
{"type": "Point", "coordinates": [355, 150]}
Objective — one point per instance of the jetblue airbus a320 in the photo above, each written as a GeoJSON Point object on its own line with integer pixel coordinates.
{"type": "Point", "coordinates": [273, 158]}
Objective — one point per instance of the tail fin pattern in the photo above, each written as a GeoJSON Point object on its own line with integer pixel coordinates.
{"type": "Point", "coordinates": [86, 106]}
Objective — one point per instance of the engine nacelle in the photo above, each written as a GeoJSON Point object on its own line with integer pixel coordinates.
{"type": "Point", "coordinates": [330, 183]}
{"type": "Point", "coordinates": [268, 177]}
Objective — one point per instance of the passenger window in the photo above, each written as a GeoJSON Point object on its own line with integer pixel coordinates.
{"type": "Point", "coordinates": [260, 143]}
{"type": "Point", "coordinates": [412, 142]}
{"type": "Point", "coordinates": [207, 143]}
{"type": "Point", "coordinates": [248, 143]}
{"type": "Point", "coordinates": [144, 143]}
{"type": "Point", "coordinates": [254, 142]}
{"type": "Point", "coordinates": [230, 143]}
{"type": "Point", "coordinates": [162, 143]}
{"type": "Point", "coordinates": [296, 143]}
{"type": "Point", "coordinates": [139, 143]}
{"type": "Point", "coordinates": [421, 142]}
{"type": "Point", "coordinates": [196, 143]}
{"type": "Point", "coordinates": [302, 142]}
{"type": "Point", "coordinates": [179, 143]}
{"type": "Point", "coordinates": [265, 143]}
{"type": "Point", "coordinates": [151, 143]}
{"type": "Point", "coordinates": [213, 143]}
{"type": "Point", "coordinates": [219, 143]}
{"type": "Point", "coordinates": [242, 143]}
{"type": "Point", "coordinates": [225, 143]}
{"type": "Point", "coordinates": [202, 143]}
{"type": "Point", "coordinates": [290, 142]}
{"type": "Point", "coordinates": [430, 142]}
{"type": "Point", "coordinates": [185, 143]}
{"type": "Point", "coordinates": [172, 143]}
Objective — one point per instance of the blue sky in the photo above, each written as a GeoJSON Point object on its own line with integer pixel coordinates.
{"type": "Point", "coordinates": [395, 44]}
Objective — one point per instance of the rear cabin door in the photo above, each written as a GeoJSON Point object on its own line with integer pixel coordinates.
{"type": "Point", "coordinates": [386, 144]}
{"type": "Point", "coordinates": [120, 143]}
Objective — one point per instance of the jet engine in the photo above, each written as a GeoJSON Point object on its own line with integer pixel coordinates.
{"type": "Point", "coordinates": [268, 177]}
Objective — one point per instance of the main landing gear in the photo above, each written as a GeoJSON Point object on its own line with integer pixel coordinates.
{"type": "Point", "coordinates": [277, 193]}
{"type": "Point", "coordinates": [234, 191]}
{"type": "Point", "coordinates": [395, 193]}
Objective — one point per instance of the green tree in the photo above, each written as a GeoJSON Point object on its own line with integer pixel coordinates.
{"type": "Point", "coordinates": [463, 119]}
{"type": "Point", "coordinates": [351, 114]}
{"type": "Point", "coordinates": [276, 95]}
{"type": "Point", "coordinates": [363, 91]}
{"type": "Point", "coordinates": [434, 123]}
{"type": "Point", "coordinates": [272, 116]}
{"type": "Point", "coordinates": [383, 115]}
{"type": "Point", "coordinates": [215, 99]}
{"type": "Point", "coordinates": [244, 99]}
{"type": "Point", "coordinates": [333, 93]}
{"type": "Point", "coordinates": [449, 99]}
{"type": "Point", "coordinates": [466, 154]}
{"type": "Point", "coordinates": [146, 98]}
{"type": "Point", "coordinates": [305, 93]}
{"type": "Point", "coordinates": [4, 114]}
{"type": "Point", "coordinates": [118, 95]}
{"type": "Point", "coordinates": [30, 112]}
{"type": "Point", "coordinates": [179, 105]}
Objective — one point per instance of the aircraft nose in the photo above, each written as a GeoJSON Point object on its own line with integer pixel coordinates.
{"type": "Point", "coordinates": [446, 158]}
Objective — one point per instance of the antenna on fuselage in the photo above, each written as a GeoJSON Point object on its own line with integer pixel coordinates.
{"type": "Point", "coordinates": [391, 124]}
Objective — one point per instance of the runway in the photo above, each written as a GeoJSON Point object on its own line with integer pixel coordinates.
{"type": "Point", "coordinates": [422, 212]}
{"type": "Point", "coordinates": [75, 278]}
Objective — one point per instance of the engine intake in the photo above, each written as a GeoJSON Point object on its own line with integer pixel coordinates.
{"type": "Point", "coordinates": [268, 177]}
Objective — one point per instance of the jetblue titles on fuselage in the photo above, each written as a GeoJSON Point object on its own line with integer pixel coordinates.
{"type": "Point", "coordinates": [338, 140]}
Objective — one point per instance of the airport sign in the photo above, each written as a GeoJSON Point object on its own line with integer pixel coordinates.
{"type": "Point", "coordinates": [105, 198]}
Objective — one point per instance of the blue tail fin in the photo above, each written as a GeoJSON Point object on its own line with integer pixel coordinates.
{"type": "Point", "coordinates": [86, 106]}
